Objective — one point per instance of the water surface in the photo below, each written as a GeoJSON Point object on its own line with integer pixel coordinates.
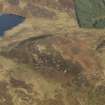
{"type": "Point", "coordinates": [8, 21]}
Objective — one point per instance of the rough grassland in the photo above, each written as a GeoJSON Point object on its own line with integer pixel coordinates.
{"type": "Point", "coordinates": [65, 68]}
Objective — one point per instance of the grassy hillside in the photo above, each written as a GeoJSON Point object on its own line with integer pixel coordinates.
{"type": "Point", "coordinates": [49, 59]}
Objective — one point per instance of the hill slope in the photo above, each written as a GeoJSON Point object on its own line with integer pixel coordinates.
{"type": "Point", "coordinates": [48, 59]}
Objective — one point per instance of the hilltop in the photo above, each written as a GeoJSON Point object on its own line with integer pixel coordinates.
{"type": "Point", "coordinates": [48, 59]}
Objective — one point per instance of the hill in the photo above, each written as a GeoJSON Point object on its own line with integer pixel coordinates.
{"type": "Point", "coordinates": [48, 59]}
